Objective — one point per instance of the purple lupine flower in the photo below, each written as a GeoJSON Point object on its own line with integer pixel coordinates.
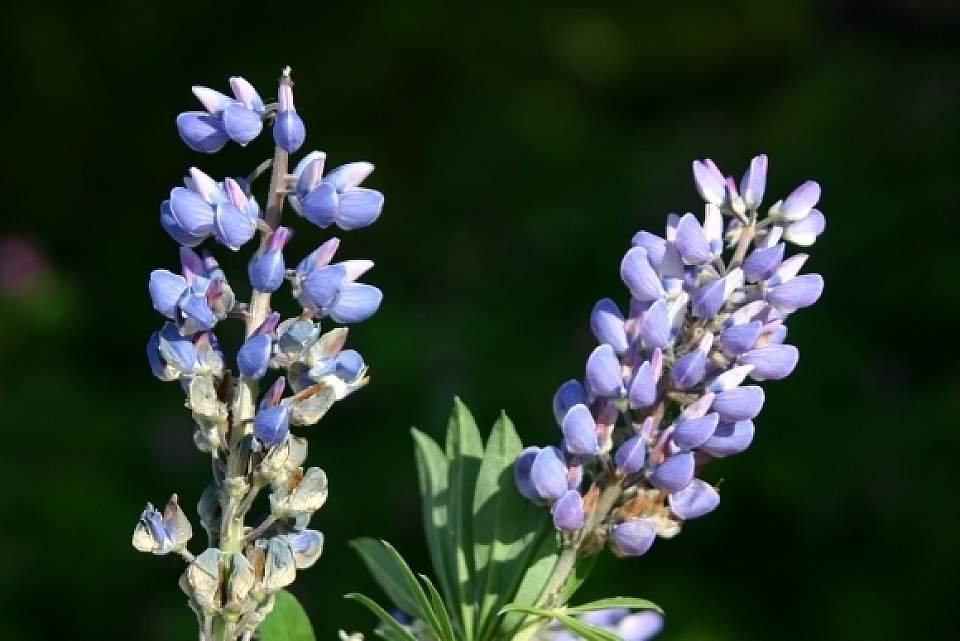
{"type": "Point", "coordinates": [195, 300]}
{"type": "Point", "coordinates": [239, 118]}
{"type": "Point", "coordinates": [288, 130]}
{"type": "Point", "coordinates": [272, 422]}
{"type": "Point", "coordinates": [664, 390]}
{"type": "Point", "coordinates": [253, 357]}
{"type": "Point", "coordinates": [568, 513]}
{"type": "Point", "coordinates": [580, 431]}
{"type": "Point", "coordinates": [633, 537]}
{"type": "Point", "coordinates": [332, 290]}
{"type": "Point", "coordinates": [336, 198]}
{"type": "Point", "coordinates": [204, 207]}
{"type": "Point", "coordinates": [267, 268]}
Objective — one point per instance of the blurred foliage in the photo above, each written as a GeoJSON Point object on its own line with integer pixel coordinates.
{"type": "Point", "coordinates": [519, 146]}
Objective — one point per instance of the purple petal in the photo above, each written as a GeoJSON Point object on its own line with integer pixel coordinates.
{"type": "Point", "coordinates": [643, 388]}
{"type": "Point", "coordinates": [710, 182]}
{"type": "Point", "coordinates": [173, 228]}
{"type": "Point", "coordinates": [549, 474]}
{"type": "Point", "coordinates": [606, 321]}
{"type": "Point", "coordinates": [709, 299]}
{"type": "Point", "coordinates": [655, 330]}
{"type": "Point", "coordinates": [272, 424]}
{"type": "Point", "coordinates": [266, 271]}
{"type": "Point", "coordinates": [211, 99]}
{"type": "Point", "coordinates": [320, 205]}
{"type": "Point", "coordinates": [196, 314]}
{"type": "Point", "coordinates": [633, 537]}
{"type": "Point", "coordinates": [773, 362]}
{"type": "Point", "coordinates": [166, 288]}
{"type": "Point", "coordinates": [566, 396]}
{"type": "Point", "coordinates": [254, 356]}
{"type": "Point", "coordinates": [245, 93]}
{"type": "Point", "coordinates": [157, 365]}
{"type": "Point", "coordinates": [804, 232]}
{"type": "Point", "coordinates": [580, 431]}
{"type": "Point", "coordinates": [730, 438]}
{"type": "Point", "coordinates": [631, 456]}
{"type": "Point", "coordinates": [762, 263]}
{"type": "Point", "coordinates": [799, 203]}
{"type": "Point", "coordinates": [310, 172]}
{"type": "Point", "coordinates": [738, 404]}
{"type": "Point", "coordinates": [568, 513]}
{"type": "Point", "coordinates": [694, 432]}
{"type": "Point", "coordinates": [603, 372]}
{"type": "Point", "coordinates": [201, 132]}
{"type": "Point", "coordinates": [689, 369]}
{"type": "Point", "coordinates": [349, 175]}
{"type": "Point", "coordinates": [641, 626]}
{"type": "Point", "coordinates": [639, 276]}
{"type": "Point", "coordinates": [358, 208]}
{"type": "Point", "coordinates": [289, 131]}
{"type": "Point", "coordinates": [356, 303]}
{"type": "Point", "coordinates": [191, 212]}
{"type": "Point", "coordinates": [674, 474]}
{"type": "Point", "coordinates": [738, 339]}
{"type": "Point", "coordinates": [177, 348]}
{"type": "Point", "coordinates": [321, 285]}
{"type": "Point", "coordinates": [241, 124]}
{"type": "Point", "coordinates": [521, 473]}
{"type": "Point", "coordinates": [232, 227]}
{"type": "Point", "coordinates": [653, 244]}
{"type": "Point", "coordinates": [754, 182]}
{"type": "Point", "coordinates": [796, 293]}
{"type": "Point", "coordinates": [695, 500]}
{"type": "Point", "coordinates": [691, 241]}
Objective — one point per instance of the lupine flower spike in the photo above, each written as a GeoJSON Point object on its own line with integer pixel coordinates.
{"type": "Point", "coordinates": [671, 385]}
{"type": "Point", "coordinates": [249, 425]}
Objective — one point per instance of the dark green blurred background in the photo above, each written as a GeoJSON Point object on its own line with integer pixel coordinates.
{"type": "Point", "coordinates": [519, 148]}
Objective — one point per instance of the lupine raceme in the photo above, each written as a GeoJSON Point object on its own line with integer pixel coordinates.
{"type": "Point", "coordinates": [247, 424]}
{"type": "Point", "coordinates": [672, 384]}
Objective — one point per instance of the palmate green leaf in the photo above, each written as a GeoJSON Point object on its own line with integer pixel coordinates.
{"type": "Point", "coordinates": [395, 628]}
{"type": "Point", "coordinates": [615, 602]}
{"type": "Point", "coordinates": [384, 569]}
{"type": "Point", "coordinates": [464, 449]}
{"type": "Point", "coordinates": [287, 621]}
{"type": "Point", "coordinates": [506, 526]}
{"type": "Point", "coordinates": [432, 474]}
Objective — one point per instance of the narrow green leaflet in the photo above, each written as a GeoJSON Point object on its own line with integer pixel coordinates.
{"type": "Point", "coordinates": [287, 621]}
{"type": "Point", "coordinates": [432, 474]}
{"type": "Point", "coordinates": [539, 568]}
{"type": "Point", "coordinates": [505, 524]}
{"type": "Point", "coordinates": [384, 569]}
{"type": "Point", "coordinates": [424, 610]}
{"type": "Point", "coordinates": [446, 627]}
{"type": "Point", "coordinates": [389, 621]}
{"type": "Point", "coordinates": [464, 452]}
{"type": "Point", "coordinates": [615, 602]}
{"type": "Point", "coordinates": [578, 627]}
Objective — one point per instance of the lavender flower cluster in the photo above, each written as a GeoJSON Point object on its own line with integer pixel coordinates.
{"type": "Point", "coordinates": [665, 391]}
{"type": "Point", "coordinates": [248, 434]}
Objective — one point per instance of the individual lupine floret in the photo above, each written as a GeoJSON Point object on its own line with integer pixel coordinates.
{"type": "Point", "coordinates": [288, 129]}
{"type": "Point", "coordinates": [239, 118]}
{"type": "Point", "coordinates": [195, 300]}
{"type": "Point", "coordinates": [665, 390]}
{"type": "Point", "coordinates": [332, 290]}
{"type": "Point", "coordinates": [162, 533]}
{"type": "Point", "coordinates": [173, 356]}
{"type": "Point", "coordinates": [253, 358]}
{"type": "Point", "coordinates": [272, 423]}
{"type": "Point", "coordinates": [336, 198]}
{"type": "Point", "coordinates": [267, 268]}
{"type": "Point", "coordinates": [205, 208]}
